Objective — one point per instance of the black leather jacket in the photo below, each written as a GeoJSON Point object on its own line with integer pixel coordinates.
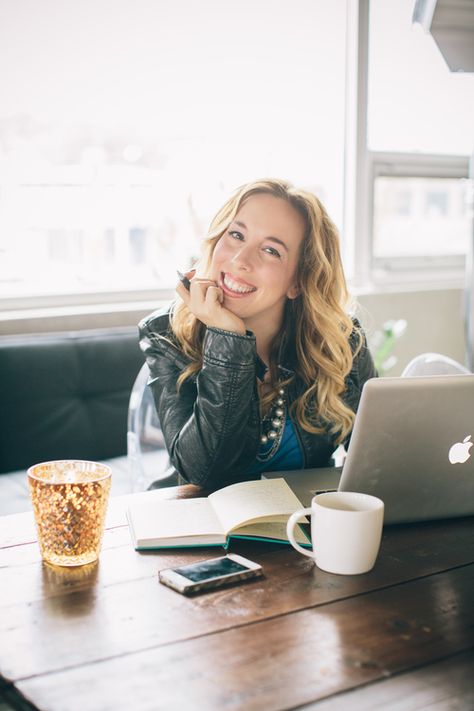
{"type": "Point", "coordinates": [212, 426]}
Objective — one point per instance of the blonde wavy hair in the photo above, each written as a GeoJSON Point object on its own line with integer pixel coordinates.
{"type": "Point", "coordinates": [316, 321]}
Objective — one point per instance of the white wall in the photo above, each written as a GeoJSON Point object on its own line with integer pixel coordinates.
{"type": "Point", "coordinates": [434, 318]}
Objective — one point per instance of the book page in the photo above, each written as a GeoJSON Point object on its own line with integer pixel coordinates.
{"type": "Point", "coordinates": [248, 501]}
{"type": "Point", "coordinates": [157, 521]}
{"type": "Point", "coordinates": [272, 531]}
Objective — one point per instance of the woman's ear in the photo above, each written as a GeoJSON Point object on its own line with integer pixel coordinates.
{"type": "Point", "coordinates": [293, 292]}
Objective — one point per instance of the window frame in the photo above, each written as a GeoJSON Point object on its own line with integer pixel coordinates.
{"type": "Point", "coordinates": [443, 268]}
{"type": "Point", "coordinates": [363, 166]}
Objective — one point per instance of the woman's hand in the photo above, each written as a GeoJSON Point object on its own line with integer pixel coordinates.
{"type": "Point", "coordinates": [204, 299]}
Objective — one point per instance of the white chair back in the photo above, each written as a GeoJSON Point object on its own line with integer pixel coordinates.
{"type": "Point", "coordinates": [433, 364]}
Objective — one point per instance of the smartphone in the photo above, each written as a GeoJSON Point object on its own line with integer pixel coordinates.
{"type": "Point", "coordinates": [184, 280]}
{"type": "Point", "coordinates": [208, 574]}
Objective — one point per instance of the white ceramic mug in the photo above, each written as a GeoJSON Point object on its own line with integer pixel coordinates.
{"type": "Point", "coordinates": [346, 528]}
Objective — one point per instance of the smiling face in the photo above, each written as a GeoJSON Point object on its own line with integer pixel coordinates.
{"type": "Point", "coordinates": [255, 261]}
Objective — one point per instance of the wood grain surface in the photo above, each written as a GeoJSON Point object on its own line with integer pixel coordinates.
{"type": "Point", "coordinates": [441, 686]}
{"type": "Point", "coordinates": [281, 662]}
{"type": "Point", "coordinates": [109, 636]}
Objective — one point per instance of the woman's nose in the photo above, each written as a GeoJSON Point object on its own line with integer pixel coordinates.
{"type": "Point", "coordinates": [242, 259]}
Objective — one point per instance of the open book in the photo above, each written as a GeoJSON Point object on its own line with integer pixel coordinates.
{"type": "Point", "coordinates": [251, 509]}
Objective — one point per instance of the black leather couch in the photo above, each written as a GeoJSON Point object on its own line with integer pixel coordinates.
{"type": "Point", "coordinates": [64, 396]}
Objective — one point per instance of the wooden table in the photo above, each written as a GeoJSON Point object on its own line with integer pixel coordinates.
{"type": "Point", "coordinates": [109, 636]}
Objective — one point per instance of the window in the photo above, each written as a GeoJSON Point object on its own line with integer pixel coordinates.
{"type": "Point", "coordinates": [416, 105]}
{"type": "Point", "coordinates": [125, 125]}
{"type": "Point", "coordinates": [136, 120]}
{"type": "Point", "coordinates": [419, 137]}
{"type": "Point", "coordinates": [432, 209]}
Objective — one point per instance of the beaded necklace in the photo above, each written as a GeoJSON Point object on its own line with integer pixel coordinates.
{"type": "Point", "coordinates": [272, 427]}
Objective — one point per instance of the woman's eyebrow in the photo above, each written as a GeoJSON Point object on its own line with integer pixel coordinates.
{"type": "Point", "coordinates": [272, 239]}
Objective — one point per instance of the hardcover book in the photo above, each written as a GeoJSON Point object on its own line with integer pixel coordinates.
{"type": "Point", "coordinates": [251, 509]}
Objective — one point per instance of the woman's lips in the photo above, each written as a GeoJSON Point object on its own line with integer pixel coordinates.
{"type": "Point", "coordinates": [234, 287]}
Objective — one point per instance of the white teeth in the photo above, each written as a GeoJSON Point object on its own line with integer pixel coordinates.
{"type": "Point", "coordinates": [234, 286]}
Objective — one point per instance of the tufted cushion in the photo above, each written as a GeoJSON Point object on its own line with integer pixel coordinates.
{"type": "Point", "coordinates": [65, 395]}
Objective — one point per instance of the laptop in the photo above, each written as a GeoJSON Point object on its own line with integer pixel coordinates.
{"type": "Point", "coordinates": [411, 446]}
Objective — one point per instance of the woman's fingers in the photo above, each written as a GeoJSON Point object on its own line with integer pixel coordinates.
{"type": "Point", "coordinates": [205, 300]}
{"type": "Point", "coordinates": [194, 292]}
{"type": "Point", "coordinates": [185, 278]}
{"type": "Point", "coordinates": [205, 296]}
{"type": "Point", "coordinates": [183, 292]}
{"type": "Point", "coordinates": [214, 295]}
{"type": "Point", "coordinates": [199, 288]}
{"type": "Point", "coordinates": [203, 283]}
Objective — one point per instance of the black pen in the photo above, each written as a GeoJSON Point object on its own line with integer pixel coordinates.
{"type": "Point", "coordinates": [184, 280]}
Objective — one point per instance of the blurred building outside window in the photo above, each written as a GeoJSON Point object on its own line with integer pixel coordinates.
{"type": "Point", "coordinates": [420, 217]}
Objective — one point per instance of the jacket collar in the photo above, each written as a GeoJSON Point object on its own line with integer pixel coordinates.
{"type": "Point", "coordinates": [284, 365]}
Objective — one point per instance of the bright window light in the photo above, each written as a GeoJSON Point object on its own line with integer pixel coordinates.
{"type": "Point", "coordinates": [124, 126]}
{"type": "Point", "coordinates": [416, 105]}
{"type": "Point", "coordinates": [420, 217]}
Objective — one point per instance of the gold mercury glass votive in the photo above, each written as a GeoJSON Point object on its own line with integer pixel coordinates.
{"type": "Point", "coordinates": [69, 502]}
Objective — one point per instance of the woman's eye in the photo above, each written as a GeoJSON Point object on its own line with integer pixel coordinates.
{"type": "Point", "coordinates": [274, 252]}
{"type": "Point", "coordinates": [235, 235]}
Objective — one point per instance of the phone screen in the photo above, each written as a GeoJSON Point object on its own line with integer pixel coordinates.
{"type": "Point", "coordinates": [208, 569]}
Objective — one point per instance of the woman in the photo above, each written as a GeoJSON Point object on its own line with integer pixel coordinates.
{"type": "Point", "coordinates": [258, 367]}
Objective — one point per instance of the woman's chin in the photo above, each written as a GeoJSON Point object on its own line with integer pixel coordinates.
{"type": "Point", "coordinates": [237, 307]}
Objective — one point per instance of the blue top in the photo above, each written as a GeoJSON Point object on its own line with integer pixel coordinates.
{"type": "Point", "coordinates": [287, 456]}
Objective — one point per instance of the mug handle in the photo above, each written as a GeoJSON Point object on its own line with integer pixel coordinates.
{"type": "Point", "coordinates": [290, 527]}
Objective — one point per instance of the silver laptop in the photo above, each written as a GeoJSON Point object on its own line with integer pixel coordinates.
{"type": "Point", "coordinates": [411, 446]}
